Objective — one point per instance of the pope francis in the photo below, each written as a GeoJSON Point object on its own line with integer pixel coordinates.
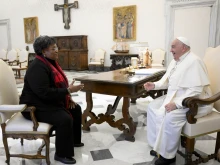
{"type": "Point", "coordinates": [186, 76]}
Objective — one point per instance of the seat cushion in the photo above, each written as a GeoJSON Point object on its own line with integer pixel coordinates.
{"type": "Point", "coordinates": [18, 124]}
{"type": "Point", "coordinates": [204, 125]}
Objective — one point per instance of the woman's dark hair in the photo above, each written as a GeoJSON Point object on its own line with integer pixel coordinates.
{"type": "Point", "coordinates": [41, 43]}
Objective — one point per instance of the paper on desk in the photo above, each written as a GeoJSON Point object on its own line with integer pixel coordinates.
{"type": "Point", "coordinates": [147, 71]}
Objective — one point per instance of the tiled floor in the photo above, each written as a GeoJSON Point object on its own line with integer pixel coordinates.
{"type": "Point", "coordinates": [104, 144]}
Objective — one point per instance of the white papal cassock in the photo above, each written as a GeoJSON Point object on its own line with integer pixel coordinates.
{"type": "Point", "coordinates": [184, 78]}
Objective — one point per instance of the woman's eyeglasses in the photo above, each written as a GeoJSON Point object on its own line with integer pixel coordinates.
{"type": "Point", "coordinates": [54, 49]}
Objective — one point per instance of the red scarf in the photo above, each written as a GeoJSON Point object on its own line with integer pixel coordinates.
{"type": "Point", "coordinates": [60, 79]}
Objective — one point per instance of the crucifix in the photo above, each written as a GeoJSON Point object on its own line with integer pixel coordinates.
{"type": "Point", "coordinates": [66, 11]}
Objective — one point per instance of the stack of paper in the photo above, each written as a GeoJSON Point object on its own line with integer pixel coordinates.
{"type": "Point", "coordinates": [147, 71]}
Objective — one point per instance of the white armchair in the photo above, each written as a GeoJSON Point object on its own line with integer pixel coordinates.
{"type": "Point", "coordinates": [207, 124]}
{"type": "Point", "coordinates": [13, 124]}
{"type": "Point", "coordinates": [3, 54]}
{"type": "Point", "coordinates": [157, 58]}
{"type": "Point", "coordinates": [97, 62]}
{"type": "Point", "coordinates": [12, 57]}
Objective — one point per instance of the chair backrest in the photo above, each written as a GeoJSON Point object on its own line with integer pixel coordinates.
{"type": "Point", "coordinates": [23, 57]}
{"type": "Point", "coordinates": [211, 59]}
{"type": "Point", "coordinates": [99, 54]}
{"type": "Point", "coordinates": [3, 54]}
{"type": "Point", "coordinates": [158, 56]}
{"type": "Point", "coordinates": [12, 55]}
{"type": "Point", "coordinates": [8, 88]}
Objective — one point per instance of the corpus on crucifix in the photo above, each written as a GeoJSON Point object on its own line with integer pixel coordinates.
{"type": "Point", "coordinates": [66, 11]}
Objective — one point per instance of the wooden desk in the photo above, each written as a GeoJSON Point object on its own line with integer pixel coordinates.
{"type": "Point", "coordinates": [119, 84]}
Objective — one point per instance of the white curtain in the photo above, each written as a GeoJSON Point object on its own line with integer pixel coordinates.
{"type": "Point", "coordinates": [214, 39]}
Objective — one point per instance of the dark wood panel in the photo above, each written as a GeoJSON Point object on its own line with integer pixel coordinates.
{"type": "Point", "coordinates": [63, 59]}
{"type": "Point", "coordinates": [63, 43]}
{"type": "Point", "coordinates": [84, 60]}
{"type": "Point", "coordinates": [73, 52]}
{"type": "Point", "coordinates": [74, 62]}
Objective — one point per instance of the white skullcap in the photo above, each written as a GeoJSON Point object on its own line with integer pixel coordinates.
{"type": "Point", "coordinates": [184, 40]}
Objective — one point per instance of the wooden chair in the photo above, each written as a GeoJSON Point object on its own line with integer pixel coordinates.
{"type": "Point", "coordinates": [157, 58]}
{"type": "Point", "coordinates": [207, 124]}
{"type": "Point", "coordinates": [13, 124]}
{"type": "Point", "coordinates": [12, 57]}
{"type": "Point", "coordinates": [21, 63]}
{"type": "Point", "coordinates": [97, 62]}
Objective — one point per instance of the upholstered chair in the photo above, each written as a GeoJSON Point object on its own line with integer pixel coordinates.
{"type": "Point", "coordinates": [157, 58]}
{"type": "Point", "coordinates": [207, 124]}
{"type": "Point", "coordinates": [97, 62]}
{"type": "Point", "coordinates": [21, 63]}
{"type": "Point", "coordinates": [12, 57]}
{"type": "Point", "coordinates": [3, 54]}
{"type": "Point", "coordinates": [13, 124]}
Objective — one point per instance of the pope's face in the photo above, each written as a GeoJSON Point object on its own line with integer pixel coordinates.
{"type": "Point", "coordinates": [177, 49]}
{"type": "Point", "coordinates": [51, 52]}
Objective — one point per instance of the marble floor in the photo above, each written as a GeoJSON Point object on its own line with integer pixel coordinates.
{"type": "Point", "coordinates": [104, 144]}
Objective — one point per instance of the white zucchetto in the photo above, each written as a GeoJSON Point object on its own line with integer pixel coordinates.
{"type": "Point", "coordinates": [184, 40]}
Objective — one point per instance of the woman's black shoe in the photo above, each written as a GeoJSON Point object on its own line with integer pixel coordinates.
{"type": "Point", "coordinates": [79, 145]}
{"type": "Point", "coordinates": [65, 160]}
{"type": "Point", "coordinates": [153, 153]}
{"type": "Point", "coordinates": [163, 161]}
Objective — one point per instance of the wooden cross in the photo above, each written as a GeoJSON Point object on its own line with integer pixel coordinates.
{"type": "Point", "coordinates": [66, 11]}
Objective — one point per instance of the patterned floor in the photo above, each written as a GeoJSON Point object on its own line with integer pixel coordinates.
{"type": "Point", "coordinates": [104, 144]}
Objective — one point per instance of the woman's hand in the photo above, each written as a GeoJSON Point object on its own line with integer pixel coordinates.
{"type": "Point", "coordinates": [72, 104]}
{"type": "Point", "coordinates": [149, 86]}
{"type": "Point", "coordinates": [75, 88]}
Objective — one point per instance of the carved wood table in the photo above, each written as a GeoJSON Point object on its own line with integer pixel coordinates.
{"type": "Point", "coordinates": [121, 60]}
{"type": "Point", "coordinates": [117, 83]}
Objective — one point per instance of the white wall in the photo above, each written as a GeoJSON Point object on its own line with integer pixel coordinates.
{"type": "Point", "coordinates": [93, 18]}
{"type": "Point", "coordinates": [3, 37]}
{"type": "Point", "coordinates": [196, 29]}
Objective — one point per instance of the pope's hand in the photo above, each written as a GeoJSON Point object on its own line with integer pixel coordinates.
{"type": "Point", "coordinates": [149, 86]}
{"type": "Point", "coordinates": [170, 106]}
{"type": "Point", "coordinates": [75, 88]}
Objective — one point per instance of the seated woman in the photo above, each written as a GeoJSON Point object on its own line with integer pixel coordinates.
{"type": "Point", "coordinates": [46, 87]}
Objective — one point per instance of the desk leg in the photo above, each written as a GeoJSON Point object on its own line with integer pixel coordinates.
{"type": "Point", "coordinates": [87, 113]}
{"type": "Point", "coordinates": [127, 119]}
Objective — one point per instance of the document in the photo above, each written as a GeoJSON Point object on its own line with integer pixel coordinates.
{"type": "Point", "coordinates": [147, 71]}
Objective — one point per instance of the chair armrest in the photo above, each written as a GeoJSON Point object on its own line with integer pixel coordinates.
{"type": "Point", "coordinates": [12, 108]}
{"type": "Point", "coordinates": [6, 111]}
{"type": "Point", "coordinates": [22, 62]}
{"type": "Point", "coordinates": [13, 63]}
{"type": "Point", "coordinates": [32, 109]}
{"type": "Point", "coordinates": [192, 104]}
